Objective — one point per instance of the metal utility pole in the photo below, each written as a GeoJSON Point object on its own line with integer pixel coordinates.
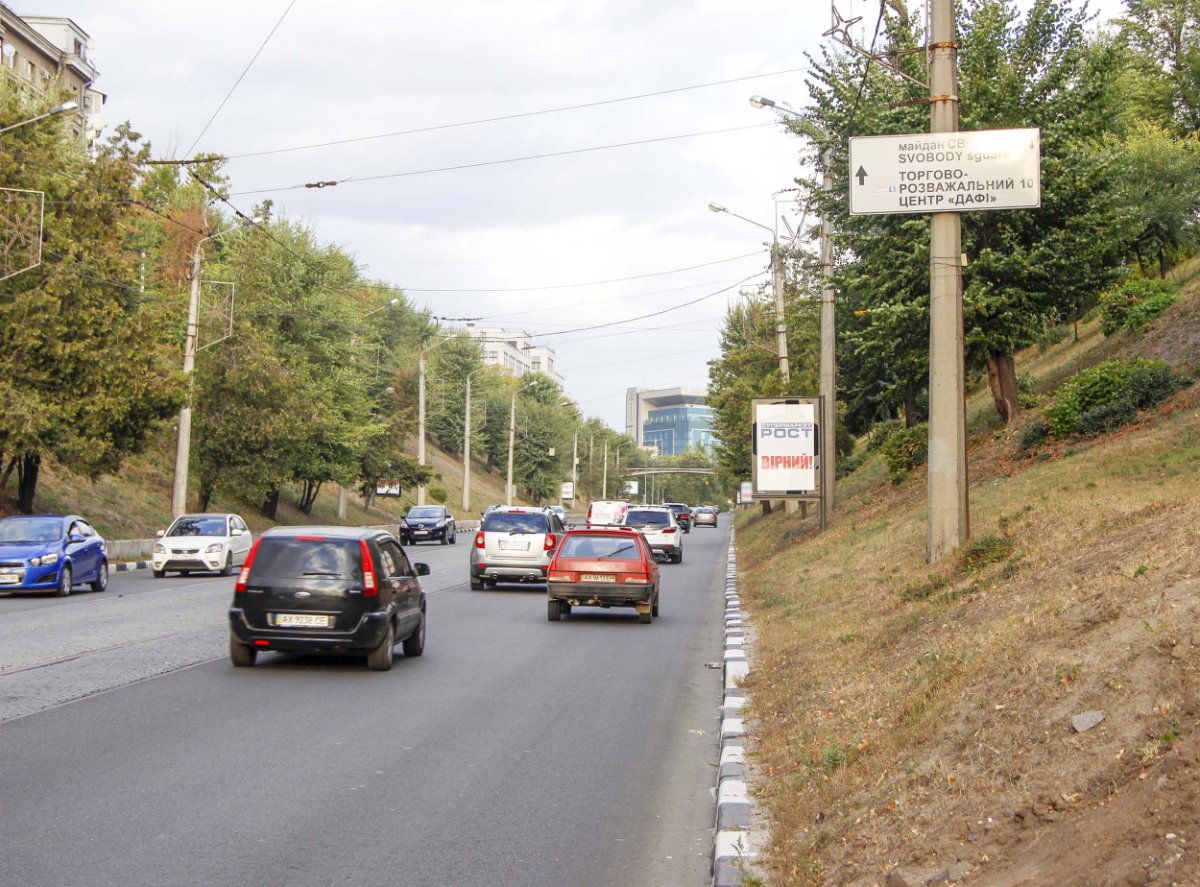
{"type": "Point", "coordinates": [828, 361]}
{"type": "Point", "coordinates": [183, 443]}
{"type": "Point", "coordinates": [421, 422]}
{"type": "Point", "coordinates": [949, 520]}
{"type": "Point", "coordinates": [467, 448]}
{"type": "Point", "coordinates": [512, 439]}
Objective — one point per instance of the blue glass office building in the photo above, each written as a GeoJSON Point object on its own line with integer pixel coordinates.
{"type": "Point", "coordinates": [674, 429]}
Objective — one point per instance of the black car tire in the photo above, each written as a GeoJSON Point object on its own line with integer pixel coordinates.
{"type": "Point", "coordinates": [241, 655]}
{"type": "Point", "coordinates": [654, 606]}
{"type": "Point", "coordinates": [185, 572]}
{"type": "Point", "coordinates": [380, 659]}
{"type": "Point", "coordinates": [453, 535]}
{"type": "Point", "coordinates": [101, 581]}
{"type": "Point", "coordinates": [476, 584]}
{"type": "Point", "coordinates": [565, 606]}
{"type": "Point", "coordinates": [228, 568]}
{"type": "Point", "coordinates": [553, 611]}
{"type": "Point", "coordinates": [445, 537]}
{"type": "Point", "coordinates": [65, 581]}
{"type": "Point", "coordinates": [414, 644]}
{"type": "Point", "coordinates": [677, 557]}
{"type": "Point", "coordinates": [645, 618]}
{"type": "Point", "coordinates": [160, 574]}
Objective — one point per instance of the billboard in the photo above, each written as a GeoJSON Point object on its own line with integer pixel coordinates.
{"type": "Point", "coordinates": [786, 447]}
{"type": "Point", "coordinates": [568, 490]}
{"type": "Point", "coordinates": [387, 488]}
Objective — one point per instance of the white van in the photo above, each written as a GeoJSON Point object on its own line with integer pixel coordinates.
{"type": "Point", "coordinates": [606, 512]}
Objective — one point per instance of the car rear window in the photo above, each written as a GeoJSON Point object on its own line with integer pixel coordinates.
{"type": "Point", "coordinates": [294, 558]}
{"type": "Point", "coordinates": [600, 547]}
{"type": "Point", "coordinates": [646, 518]}
{"type": "Point", "coordinates": [515, 522]}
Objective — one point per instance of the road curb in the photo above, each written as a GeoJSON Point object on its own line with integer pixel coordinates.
{"type": "Point", "coordinates": [126, 566]}
{"type": "Point", "coordinates": [735, 810]}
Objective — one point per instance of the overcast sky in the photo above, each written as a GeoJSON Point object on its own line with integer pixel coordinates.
{"type": "Point", "coordinates": [525, 244]}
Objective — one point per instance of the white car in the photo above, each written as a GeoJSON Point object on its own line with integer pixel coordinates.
{"type": "Point", "coordinates": [660, 527]}
{"type": "Point", "coordinates": [213, 543]}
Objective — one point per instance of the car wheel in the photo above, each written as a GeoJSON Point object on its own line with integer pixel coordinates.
{"type": "Point", "coordinates": [380, 659]}
{"type": "Point", "coordinates": [565, 607]}
{"type": "Point", "coordinates": [677, 557]}
{"type": "Point", "coordinates": [654, 606]}
{"type": "Point", "coordinates": [241, 655]}
{"type": "Point", "coordinates": [645, 618]}
{"type": "Point", "coordinates": [454, 536]}
{"type": "Point", "coordinates": [414, 644]}
{"type": "Point", "coordinates": [476, 584]}
{"type": "Point", "coordinates": [553, 611]}
{"type": "Point", "coordinates": [445, 537]}
{"type": "Point", "coordinates": [101, 581]}
{"type": "Point", "coordinates": [65, 581]}
{"type": "Point", "coordinates": [228, 568]}
{"type": "Point", "coordinates": [185, 572]}
{"type": "Point", "coordinates": [159, 574]}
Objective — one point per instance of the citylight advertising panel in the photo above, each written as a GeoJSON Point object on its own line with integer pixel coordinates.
{"type": "Point", "coordinates": [787, 460]}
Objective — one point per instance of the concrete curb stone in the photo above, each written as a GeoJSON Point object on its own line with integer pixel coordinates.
{"type": "Point", "coordinates": [732, 846]}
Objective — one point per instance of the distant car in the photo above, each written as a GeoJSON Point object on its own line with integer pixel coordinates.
{"type": "Point", "coordinates": [51, 553]}
{"type": "Point", "coordinates": [603, 567]}
{"type": "Point", "coordinates": [427, 523]}
{"type": "Point", "coordinates": [328, 589]}
{"type": "Point", "coordinates": [705, 516]}
{"type": "Point", "coordinates": [206, 543]}
{"type": "Point", "coordinates": [661, 529]}
{"type": "Point", "coordinates": [514, 545]}
{"type": "Point", "coordinates": [558, 511]}
{"type": "Point", "coordinates": [683, 514]}
{"type": "Point", "coordinates": [606, 512]}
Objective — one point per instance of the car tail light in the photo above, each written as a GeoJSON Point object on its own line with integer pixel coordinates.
{"type": "Point", "coordinates": [240, 586]}
{"type": "Point", "coordinates": [551, 541]}
{"type": "Point", "coordinates": [559, 577]}
{"type": "Point", "coordinates": [669, 530]}
{"type": "Point", "coordinates": [370, 588]}
{"type": "Point", "coordinates": [640, 578]}
{"type": "Point", "coordinates": [479, 537]}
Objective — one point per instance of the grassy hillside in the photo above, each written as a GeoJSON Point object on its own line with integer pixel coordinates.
{"type": "Point", "coordinates": [911, 720]}
{"type": "Point", "coordinates": [136, 502]}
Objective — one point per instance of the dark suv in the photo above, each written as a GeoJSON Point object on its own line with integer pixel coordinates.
{"type": "Point", "coordinates": [683, 514]}
{"type": "Point", "coordinates": [426, 523]}
{"type": "Point", "coordinates": [328, 589]}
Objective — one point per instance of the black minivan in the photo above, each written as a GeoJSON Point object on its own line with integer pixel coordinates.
{"type": "Point", "coordinates": [328, 589]}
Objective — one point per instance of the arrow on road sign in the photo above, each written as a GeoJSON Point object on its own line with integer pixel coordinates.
{"type": "Point", "coordinates": [861, 175]}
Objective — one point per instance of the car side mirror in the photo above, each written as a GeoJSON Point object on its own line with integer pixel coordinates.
{"type": "Point", "coordinates": [237, 531]}
{"type": "Point", "coordinates": [161, 533]}
{"type": "Point", "coordinates": [422, 569]}
{"type": "Point", "coordinates": [76, 537]}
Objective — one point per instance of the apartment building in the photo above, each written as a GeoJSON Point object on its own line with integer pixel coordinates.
{"type": "Point", "coordinates": [49, 55]}
{"type": "Point", "coordinates": [514, 350]}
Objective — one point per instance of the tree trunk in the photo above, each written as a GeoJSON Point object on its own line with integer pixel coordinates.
{"type": "Point", "coordinates": [910, 405]}
{"type": "Point", "coordinates": [308, 495]}
{"type": "Point", "coordinates": [27, 478]}
{"type": "Point", "coordinates": [12, 463]}
{"type": "Point", "coordinates": [1002, 380]}
{"type": "Point", "coordinates": [270, 505]}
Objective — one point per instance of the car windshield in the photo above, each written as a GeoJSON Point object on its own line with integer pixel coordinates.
{"type": "Point", "coordinates": [600, 547]}
{"type": "Point", "coordinates": [647, 518]}
{"type": "Point", "coordinates": [198, 526]}
{"type": "Point", "coordinates": [285, 558]}
{"type": "Point", "coordinates": [30, 529]}
{"type": "Point", "coordinates": [514, 522]}
{"type": "Point", "coordinates": [422, 511]}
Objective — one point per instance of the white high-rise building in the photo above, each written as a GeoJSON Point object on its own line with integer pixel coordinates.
{"type": "Point", "coordinates": [514, 350]}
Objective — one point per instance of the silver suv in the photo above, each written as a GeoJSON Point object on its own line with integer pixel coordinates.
{"type": "Point", "coordinates": [660, 527]}
{"type": "Point", "coordinates": [514, 545]}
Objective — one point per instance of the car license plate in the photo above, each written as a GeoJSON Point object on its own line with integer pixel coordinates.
{"type": "Point", "coordinates": [510, 545]}
{"type": "Point", "coordinates": [301, 620]}
{"type": "Point", "coordinates": [9, 578]}
{"type": "Point", "coordinates": [597, 577]}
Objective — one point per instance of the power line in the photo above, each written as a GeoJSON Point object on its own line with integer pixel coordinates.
{"type": "Point", "coordinates": [599, 301]}
{"type": "Point", "coordinates": [563, 286]}
{"type": "Point", "coordinates": [518, 116]}
{"type": "Point", "coordinates": [240, 76]}
{"type": "Point", "coordinates": [484, 163]}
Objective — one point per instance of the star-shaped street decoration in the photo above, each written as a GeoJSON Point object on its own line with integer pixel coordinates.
{"type": "Point", "coordinates": [841, 26]}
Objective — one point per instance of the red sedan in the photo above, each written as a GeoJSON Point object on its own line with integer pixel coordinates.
{"type": "Point", "coordinates": [609, 567]}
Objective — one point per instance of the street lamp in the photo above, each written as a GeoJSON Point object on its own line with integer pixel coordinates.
{"type": "Point", "coordinates": [466, 500]}
{"type": "Point", "coordinates": [616, 463]}
{"type": "Point", "coordinates": [57, 109]}
{"type": "Point", "coordinates": [828, 362]}
{"type": "Point", "coordinates": [777, 285]}
{"type": "Point", "coordinates": [183, 444]}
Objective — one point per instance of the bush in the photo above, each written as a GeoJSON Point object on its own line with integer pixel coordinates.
{"type": "Point", "coordinates": [904, 449]}
{"type": "Point", "coordinates": [1035, 432]}
{"type": "Point", "coordinates": [1109, 395]}
{"type": "Point", "coordinates": [438, 494]}
{"type": "Point", "coordinates": [881, 431]}
{"type": "Point", "coordinates": [1132, 304]}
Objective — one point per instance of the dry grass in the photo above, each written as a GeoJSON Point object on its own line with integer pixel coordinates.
{"type": "Point", "coordinates": [917, 715]}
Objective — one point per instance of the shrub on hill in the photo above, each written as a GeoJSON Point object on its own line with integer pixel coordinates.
{"type": "Point", "coordinates": [1108, 395]}
{"type": "Point", "coordinates": [904, 449]}
{"type": "Point", "coordinates": [1135, 302]}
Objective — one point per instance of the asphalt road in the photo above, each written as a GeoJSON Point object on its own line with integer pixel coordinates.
{"type": "Point", "coordinates": [514, 752]}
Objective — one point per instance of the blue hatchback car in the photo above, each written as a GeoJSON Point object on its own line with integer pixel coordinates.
{"type": "Point", "coordinates": [51, 552]}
